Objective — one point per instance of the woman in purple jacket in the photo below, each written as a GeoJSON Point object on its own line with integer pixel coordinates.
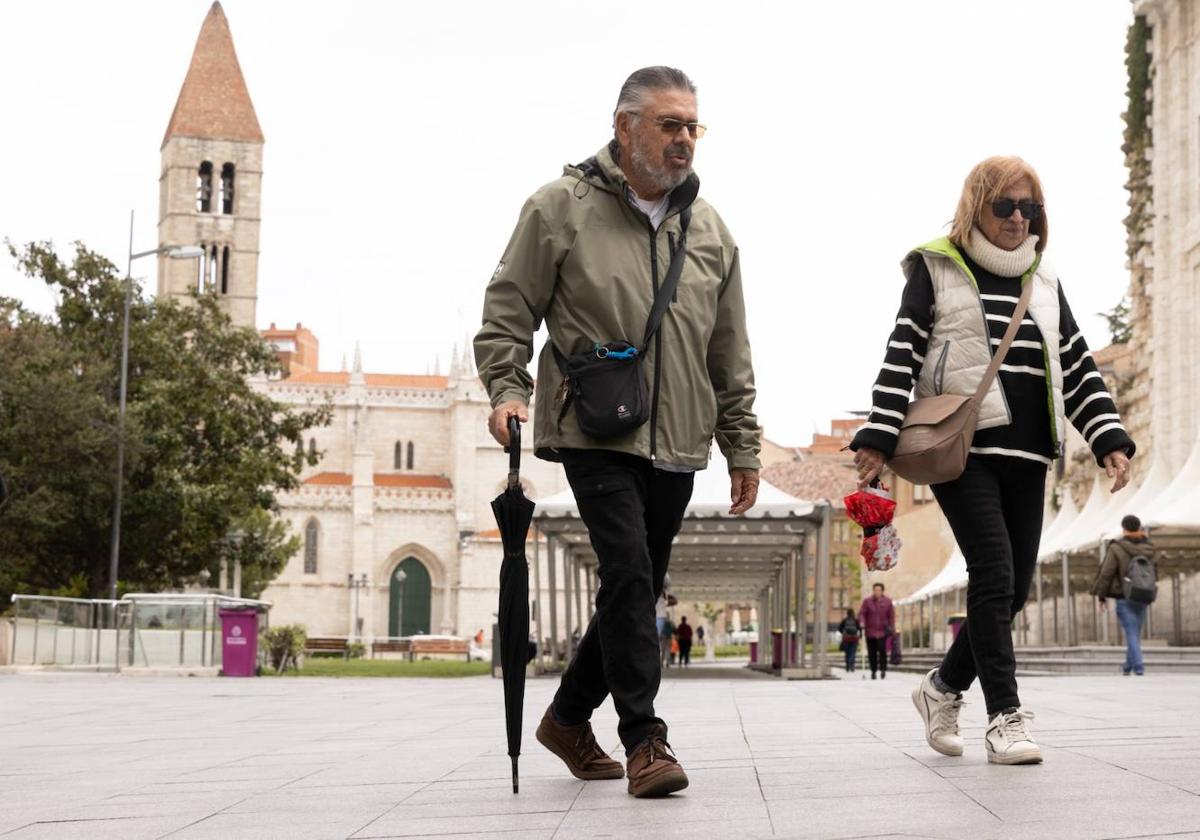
{"type": "Point", "coordinates": [877, 617]}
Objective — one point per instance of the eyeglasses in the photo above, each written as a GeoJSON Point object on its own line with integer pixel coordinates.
{"type": "Point", "coordinates": [670, 126]}
{"type": "Point", "coordinates": [1002, 208]}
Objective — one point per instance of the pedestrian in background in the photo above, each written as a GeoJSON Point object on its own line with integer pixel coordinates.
{"type": "Point", "coordinates": [960, 296]}
{"type": "Point", "coordinates": [684, 633]}
{"type": "Point", "coordinates": [877, 617]}
{"type": "Point", "coordinates": [850, 630]}
{"type": "Point", "coordinates": [1110, 583]}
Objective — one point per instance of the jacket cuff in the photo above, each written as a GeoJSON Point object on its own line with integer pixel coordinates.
{"type": "Point", "coordinates": [874, 439]}
{"type": "Point", "coordinates": [743, 461]}
{"type": "Point", "coordinates": [505, 396]}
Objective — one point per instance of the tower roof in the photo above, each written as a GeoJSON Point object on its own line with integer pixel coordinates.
{"type": "Point", "coordinates": [214, 102]}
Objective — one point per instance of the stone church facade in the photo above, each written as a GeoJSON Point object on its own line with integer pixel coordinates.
{"type": "Point", "coordinates": [407, 469]}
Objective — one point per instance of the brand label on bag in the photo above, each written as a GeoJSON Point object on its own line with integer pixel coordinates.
{"type": "Point", "coordinates": [622, 411]}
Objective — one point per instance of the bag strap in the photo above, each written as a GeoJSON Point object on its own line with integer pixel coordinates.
{"type": "Point", "coordinates": [662, 300]}
{"type": "Point", "coordinates": [1009, 335]}
{"type": "Point", "coordinates": [666, 292]}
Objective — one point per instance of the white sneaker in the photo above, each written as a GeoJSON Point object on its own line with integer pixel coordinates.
{"type": "Point", "coordinates": [1008, 740]}
{"type": "Point", "coordinates": [939, 710]}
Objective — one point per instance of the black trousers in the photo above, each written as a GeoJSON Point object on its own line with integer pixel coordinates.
{"type": "Point", "coordinates": [685, 653]}
{"type": "Point", "coordinates": [877, 654]}
{"type": "Point", "coordinates": [995, 511]}
{"type": "Point", "coordinates": [632, 512]}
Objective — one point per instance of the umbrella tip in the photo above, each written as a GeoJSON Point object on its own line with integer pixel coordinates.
{"type": "Point", "coordinates": [516, 785]}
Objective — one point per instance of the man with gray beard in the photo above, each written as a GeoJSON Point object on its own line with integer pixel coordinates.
{"type": "Point", "coordinates": [638, 282]}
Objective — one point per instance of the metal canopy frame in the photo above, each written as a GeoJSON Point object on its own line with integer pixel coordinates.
{"type": "Point", "coordinates": [765, 560]}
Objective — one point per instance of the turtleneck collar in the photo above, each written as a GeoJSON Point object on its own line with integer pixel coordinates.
{"type": "Point", "coordinates": [998, 261]}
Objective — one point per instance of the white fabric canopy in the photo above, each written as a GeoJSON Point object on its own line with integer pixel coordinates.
{"type": "Point", "coordinates": [952, 576]}
{"type": "Point", "coordinates": [1178, 505]}
{"type": "Point", "coordinates": [1067, 513]}
{"type": "Point", "coordinates": [1153, 484]}
{"type": "Point", "coordinates": [1087, 526]}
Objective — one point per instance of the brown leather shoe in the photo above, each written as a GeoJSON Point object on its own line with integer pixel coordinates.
{"type": "Point", "coordinates": [577, 747]}
{"type": "Point", "coordinates": [653, 770]}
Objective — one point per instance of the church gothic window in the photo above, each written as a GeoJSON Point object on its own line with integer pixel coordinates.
{"type": "Point", "coordinates": [227, 189]}
{"type": "Point", "coordinates": [225, 270]}
{"type": "Point", "coordinates": [312, 447]}
{"type": "Point", "coordinates": [312, 533]}
{"type": "Point", "coordinates": [204, 187]}
{"type": "Point", "coordinates": [398, 457]}
{"type": "Point", "coordinates": [410, 455]}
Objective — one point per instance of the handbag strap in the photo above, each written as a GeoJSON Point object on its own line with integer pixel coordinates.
{"type": "Point", "coordinates": [1009, 335]}
{"type": "Point", "coordinates": [666, 292]}
{"type": "Point", "coordinates": [662, 300]}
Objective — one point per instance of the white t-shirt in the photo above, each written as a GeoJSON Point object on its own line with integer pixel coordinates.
{"type": "Point", "coordinates": [656, 210]}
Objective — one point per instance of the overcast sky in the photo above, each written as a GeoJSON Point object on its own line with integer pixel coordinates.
{"type": "Point", "coordinates": [402, 139]}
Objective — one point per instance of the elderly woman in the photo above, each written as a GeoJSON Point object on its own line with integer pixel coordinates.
{"type": "Point", "coordinates": [960, 296]}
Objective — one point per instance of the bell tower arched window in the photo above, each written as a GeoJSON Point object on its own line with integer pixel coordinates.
{"type": "Point", "coordinates": [398, 456]}
{"type": "Point", "coordinates": [204, 187]}
{"type": "Point", "coordinates": [410, 455]}
{"type": "Point", "coordinates": [227, 189]}
{"type": "Point", "coordinates": [312, 447]}
{"type": "Point", "coordinates": [225, 270]}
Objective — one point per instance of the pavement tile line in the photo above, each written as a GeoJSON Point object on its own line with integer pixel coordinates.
{"type": "Point", "coordinates": [746, 739]}
{"type": "Point", "coordinates": [766, 758]}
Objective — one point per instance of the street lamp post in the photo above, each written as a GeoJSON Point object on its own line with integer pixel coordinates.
{"type": "Point", "coordinates": [186, 252]}
{"type": "Point", "coordinates": [356, 583]}
{"type": "Point", "coordinates": [400, 576]}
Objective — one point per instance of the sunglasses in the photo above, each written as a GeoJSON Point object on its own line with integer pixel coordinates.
{"type": "Point", "coordinates": [1002, 208]}
{"type": "Point", "coordinates": [670, 126]}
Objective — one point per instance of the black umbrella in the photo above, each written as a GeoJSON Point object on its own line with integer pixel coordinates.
{"type": "Point", "coordinates": [513, 513]}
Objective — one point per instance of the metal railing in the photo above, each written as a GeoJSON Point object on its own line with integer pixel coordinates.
{"type": "Point", "coordinates": [152, 630]}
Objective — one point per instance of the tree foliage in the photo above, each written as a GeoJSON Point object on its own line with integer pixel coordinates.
{"type": "Point", "coordinates": [206, 450]}
{"type": "Point", "coordinates": [1120, 327]}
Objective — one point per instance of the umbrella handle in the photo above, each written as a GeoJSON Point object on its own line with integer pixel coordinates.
{"type": "Point", "coordinates": [514, 451]}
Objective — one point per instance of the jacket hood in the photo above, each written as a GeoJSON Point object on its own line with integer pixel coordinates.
{"type": "Point", "coordinates": [603, 171]}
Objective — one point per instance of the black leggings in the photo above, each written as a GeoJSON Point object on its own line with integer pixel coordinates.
{"type": "Point", "coordinates": [995, 511]}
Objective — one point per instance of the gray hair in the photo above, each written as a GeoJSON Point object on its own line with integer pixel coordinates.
{"type": "Point", "coordinates": [641, 82]}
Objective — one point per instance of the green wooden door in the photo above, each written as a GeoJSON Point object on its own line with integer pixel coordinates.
{"type": "Point", "coordinates": [416, 600]}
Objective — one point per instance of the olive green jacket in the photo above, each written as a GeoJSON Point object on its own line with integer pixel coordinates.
{"type": "Point", "coordinates": [1110, 578]}
{"type": "Point", "coordinates": [584, 258]}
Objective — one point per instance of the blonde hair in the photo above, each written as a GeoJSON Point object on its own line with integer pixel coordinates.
{"type": "Point", "coordinates": [986, 183]}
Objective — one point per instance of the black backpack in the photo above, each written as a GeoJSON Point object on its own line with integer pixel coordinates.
{"type": "Point", "coordinates": [1140, 584]}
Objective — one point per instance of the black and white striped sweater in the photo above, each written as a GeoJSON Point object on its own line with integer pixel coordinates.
{"type": "Point", "coordinates": [1022, 376]}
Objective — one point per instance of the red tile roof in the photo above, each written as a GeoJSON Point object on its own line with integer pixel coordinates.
{"type": "Point", "coordinates": [377, 380]}
{"type": "Point", "coordinates": [214, 102]}
{"type": "Point", "coordinates": [817, 477]}
{"type": "Point", "coordinates": [340, 479]}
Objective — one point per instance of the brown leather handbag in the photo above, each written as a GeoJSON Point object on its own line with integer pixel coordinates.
{"type": "Point", "coordinates": [936, 434]}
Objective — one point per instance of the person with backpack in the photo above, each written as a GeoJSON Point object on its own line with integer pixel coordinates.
{"type": "Point", "coordinates": [1128, 576]}
{"type": "Point", "coordinates": [850, 630]}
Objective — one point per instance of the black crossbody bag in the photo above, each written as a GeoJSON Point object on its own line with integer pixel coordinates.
{"type": "Point", "coordinates": [607, 384]}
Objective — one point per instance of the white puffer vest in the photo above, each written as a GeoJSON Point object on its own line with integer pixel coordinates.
{"type": "Point", "coordinates": [960, 344]}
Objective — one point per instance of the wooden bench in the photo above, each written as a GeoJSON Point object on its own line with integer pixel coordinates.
{"type": "Point", "coordinates": [445, 647]}
{"type": "Point", "coordinates": [327, 644]}
{"type": "Point", "coordinates": [391, 646]}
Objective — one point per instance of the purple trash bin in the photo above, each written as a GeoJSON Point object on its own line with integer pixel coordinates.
{"type": "Point", "coordinates": [239, 642]}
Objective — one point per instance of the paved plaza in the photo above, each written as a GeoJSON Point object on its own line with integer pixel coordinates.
{"type": "Point", "coordinates": [103, 756]}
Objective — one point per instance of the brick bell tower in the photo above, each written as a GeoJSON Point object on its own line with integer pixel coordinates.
{"type": "Point", "coordinates": [210, 187]}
